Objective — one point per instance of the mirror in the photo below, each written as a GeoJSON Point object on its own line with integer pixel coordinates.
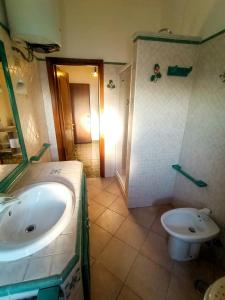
{"type": "Point", "coordinates": [12, 149]}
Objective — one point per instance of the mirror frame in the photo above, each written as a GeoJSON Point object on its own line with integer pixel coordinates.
{"type": "Point", "coordinates": [10, 178]}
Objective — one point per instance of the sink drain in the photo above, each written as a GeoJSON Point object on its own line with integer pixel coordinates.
{"type": "Point", "coordinates": [30, 228]}
{"type": "Point", "coordinates": [191, 229]}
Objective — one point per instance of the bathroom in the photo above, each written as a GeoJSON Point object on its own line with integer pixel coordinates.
{"type": "Point", "coordinates": [161, 72]}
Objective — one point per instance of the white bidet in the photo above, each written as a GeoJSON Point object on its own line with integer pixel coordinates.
{"type": "Point", "coordinates": [188, 229]}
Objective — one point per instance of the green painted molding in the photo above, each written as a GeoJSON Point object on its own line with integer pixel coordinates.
{"type": "Point", "coordinates": [167, 40]}
{"type": "Point", "coordinates": [197, 182]}
{"type": "Point", "coordinates": [5, 28]}
{"type": "Point", "coordinates": [7, 181]}
{"type": "Point", "coordinates": [41, 152]}
{"type": "Point", "coordinates": [114, 63]}
{"type": "Point", "coordinates": [213, 36]}
{"type": "Point", "coordinates": [178, 40]}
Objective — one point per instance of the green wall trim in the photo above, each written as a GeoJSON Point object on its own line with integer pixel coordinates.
{"type": "Point", "coordinates": [114, 63]}
{"type": "Point", "coordinates": [179, 41]}
{"type": "Point", "coordinates": [197, 182]}
{"type": "Point", "coordinates": [5, 183]}
{"type": "Point", "coordinates": [5, 27]}
{"type": "Point", "coordinates": [167, 40]}
{"type": "Point", "coordinates": [213, 36]}
{"type": "Point", "coordinates": [41, 152]}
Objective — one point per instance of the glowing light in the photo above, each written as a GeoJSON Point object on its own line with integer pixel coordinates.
{"type": "Point", "coordinates": [112, 126]}
{"type": "Point", "coordinates": [85, 122]}
{"type": "Point", "coordinates": [95, 73]}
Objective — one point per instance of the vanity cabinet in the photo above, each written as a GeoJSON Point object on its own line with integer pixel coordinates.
{"type": "Point", "coordinates": [60, 270]}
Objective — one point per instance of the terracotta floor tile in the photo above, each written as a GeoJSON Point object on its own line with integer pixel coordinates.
{"type": "Point", "coordinates": [155, 247]}
{"type": "Point", "coordinates": [114, 189]}
{"type": "Point", "coordinates": [98, 240]}
{"type": "Point", "coordinates": [104, 285]}
{"type": "Point", "coordinates": [127, 294]}
{"type": "Point", "coordinates": [118, 257]}
{"type": "Point", "coordinates": [99, 182]}
{"type": "Point", "coordinates": [148, 280]}
{"type": "Point", "coordinates": [142, 216]}
{"type": "Point", "coordinates": [94, 210]}
{"type": "Point", "coordinates": [120, 207]}
{"type": "Point", "coordinates": [132, 233]}
{"type": "Point", "coordinates": [158, 228]}
{"type": "Point", "coordinates": [93, 191]}
{"type": "Point", "coordinates": [104, 198]}
{"type": "Point", "coordinates": [180, 289]}
{"type": "Point", "coordinates": [110, 221]}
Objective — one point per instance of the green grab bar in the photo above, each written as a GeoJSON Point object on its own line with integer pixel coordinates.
{"type": "Point", "coordinates": [40, 153]}
{"type": "Point", "coordinates": [199, 183]}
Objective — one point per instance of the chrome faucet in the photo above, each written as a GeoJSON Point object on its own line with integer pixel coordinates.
{"type": "Point", "coordinates": [6, 201]}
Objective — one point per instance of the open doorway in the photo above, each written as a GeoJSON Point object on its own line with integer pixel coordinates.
{"type": "Point", "coordinates": [77, 97]}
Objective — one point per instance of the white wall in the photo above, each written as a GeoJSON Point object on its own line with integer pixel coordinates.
{"type": "Point", "coordinates": [215, 20]}
{"type": "Point", "coordinates": [203, 148]}
{"type": "Point", "coordinates": [103, 28]}
{"type": "Point", "coordinates": [159, 116]}
{"type": "Point", "coordinates": [83, 74]}
{"type": "Point", "coordinates": [110, 121]}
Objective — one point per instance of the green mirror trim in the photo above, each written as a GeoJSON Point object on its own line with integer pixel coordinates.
{"type": "Point", "coordinates": [4, 184]}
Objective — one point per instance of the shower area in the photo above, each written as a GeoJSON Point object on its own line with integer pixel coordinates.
{"type": "Point", "coordinates": [122, 149]}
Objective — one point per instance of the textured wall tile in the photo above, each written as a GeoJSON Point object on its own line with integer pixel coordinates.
{"type": "Point", "coordinates": [203, 149]}
{"type": "Point", "coordinates": [160, 111]}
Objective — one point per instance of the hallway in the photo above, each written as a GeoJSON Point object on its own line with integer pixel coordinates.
{"type": "Point", "coordinates": [88, 154]}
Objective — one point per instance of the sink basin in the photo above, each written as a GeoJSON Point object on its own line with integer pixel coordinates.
{"type": "Point", "coordinates": [31, 224]}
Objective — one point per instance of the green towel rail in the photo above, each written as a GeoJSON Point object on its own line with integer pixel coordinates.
{"type": "Point", "coordinates": [40, 153]}
{"type": "Point", "coordinates": [199, 183]}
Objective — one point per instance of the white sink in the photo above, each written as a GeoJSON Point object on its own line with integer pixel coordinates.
{"type": "Point", "coordinates": [31, 224]}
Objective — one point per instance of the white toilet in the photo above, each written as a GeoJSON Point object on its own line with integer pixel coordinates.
{"type": "Point", "coordinates": [188, 228]}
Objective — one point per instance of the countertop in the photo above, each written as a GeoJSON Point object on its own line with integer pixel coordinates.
{"type": "Point", "coordinates": [52, 259]}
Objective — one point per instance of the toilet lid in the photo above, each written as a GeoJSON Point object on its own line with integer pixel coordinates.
{"type": "Point", "coordinates": [216, 291]}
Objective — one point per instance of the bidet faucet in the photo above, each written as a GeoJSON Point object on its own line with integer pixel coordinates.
{"type": "Point", "coordinates": [205, 210]}
{"type": "Point", "coordinates": [6, 201]}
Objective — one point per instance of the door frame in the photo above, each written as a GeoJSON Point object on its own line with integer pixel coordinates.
{"type": "Point", "coordinates": [51, 62]}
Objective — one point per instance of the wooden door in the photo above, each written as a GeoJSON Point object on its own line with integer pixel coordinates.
{"type": "Point", "coordinates": [65, 107]}
{"type": "Point", "coordinates": [80, 97]}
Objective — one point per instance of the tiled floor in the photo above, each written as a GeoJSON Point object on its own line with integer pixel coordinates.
{"type": "Point", "coordinates": [128, 249]}
{"type": "Point", "coordinates": [88, 154]}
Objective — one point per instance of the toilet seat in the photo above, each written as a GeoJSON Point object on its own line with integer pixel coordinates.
{"type": "Point", "coordinates": [216, 291]}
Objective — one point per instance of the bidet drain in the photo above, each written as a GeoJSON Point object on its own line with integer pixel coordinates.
{"type": "Point", "coordinates": [30, 228]}
{"type": "Point", "coordinates": [191, 229]}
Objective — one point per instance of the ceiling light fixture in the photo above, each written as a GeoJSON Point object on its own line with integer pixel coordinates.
{"type": "Point", "coordinates": [95, 73]}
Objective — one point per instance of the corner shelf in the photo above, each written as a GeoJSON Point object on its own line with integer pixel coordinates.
{"type": "Point", "coordinates": [197, 182]}
{"type": "Point", "coordinates": [178, 71]}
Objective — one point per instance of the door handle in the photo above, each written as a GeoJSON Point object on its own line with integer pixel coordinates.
{"type": "Point", "coordinates": [73, 125]}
